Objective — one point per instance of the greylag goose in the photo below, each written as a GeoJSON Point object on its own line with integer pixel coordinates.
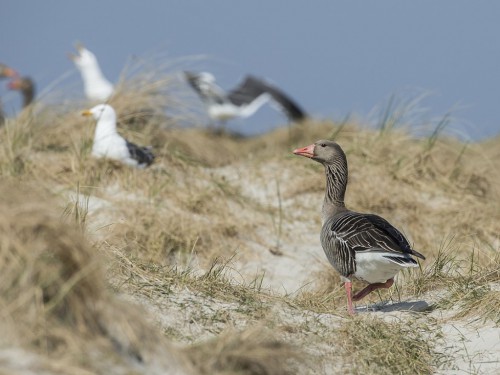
{"type": "Point", "coordinates": [109, 144]}
{"type": "Point", "coordinates": [95, 85]}
{"type": "Point", "coordinates": [5, 72]}
{"type": "Point", "coordinates": [243, 101]}
{"type": "Point", "coordinates": [362, 246]}
{"type": "Point", "coordinates": [27, 88]}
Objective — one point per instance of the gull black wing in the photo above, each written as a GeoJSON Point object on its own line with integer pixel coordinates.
{"type": "Point", "coordinates": [143, 155]}
{"type": "Point", "coordinates": [285, 102]}
{"type": "Point", "coordinates": [246, 92]}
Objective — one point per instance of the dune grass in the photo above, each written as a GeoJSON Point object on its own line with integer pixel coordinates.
{"type": "Point", "coordinates": [54, 301]}
{"type": "Point", "coordinates": [84, 240]}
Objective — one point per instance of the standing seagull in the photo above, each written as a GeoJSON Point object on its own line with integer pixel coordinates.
{"type": "Point", "coordinates": [243, 101]}
{"type": "Point", "coordinates": [95, 85]}
{"type": "Point", "coordinates": [362, 246]}
{"type": "Point", "coordinates": [109, 144]}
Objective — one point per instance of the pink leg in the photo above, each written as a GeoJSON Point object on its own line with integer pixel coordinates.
{"type": "Point", "coordinates": [370, 288]}
{"type": "Point", "coordinates": [348, 290]}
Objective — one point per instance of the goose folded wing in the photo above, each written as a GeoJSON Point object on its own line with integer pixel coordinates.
{"type": "Point", "coordinates": [383, 225]}
{"type": "Point", "coordinates": [364, 233]}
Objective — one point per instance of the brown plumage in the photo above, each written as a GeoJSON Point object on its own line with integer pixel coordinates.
{"type": "Point", "coordinates": [27, 88]}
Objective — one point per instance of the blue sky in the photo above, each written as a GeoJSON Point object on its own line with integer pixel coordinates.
{"type": "Point", "coordinates": [333, 57]}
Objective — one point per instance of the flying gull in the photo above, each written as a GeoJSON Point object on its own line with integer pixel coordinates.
{"type": "Point", "coordinates": [244, 100]}
{"type": "Point", "coordinates": [95, 85]}
{"type": "Point", "coordinates": [109, 144]}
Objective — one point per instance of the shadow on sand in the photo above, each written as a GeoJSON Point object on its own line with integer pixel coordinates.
{"type": "Point", "coordinates": [416, 306]}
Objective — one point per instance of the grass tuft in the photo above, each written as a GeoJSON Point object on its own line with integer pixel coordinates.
{"type": "Point", "coordinates": [370, 345]}
{"type": "Point", "coordinates": [251, 352]}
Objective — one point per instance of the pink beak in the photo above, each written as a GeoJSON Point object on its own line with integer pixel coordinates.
{"type": "Point", "coordinates": [307, 151]}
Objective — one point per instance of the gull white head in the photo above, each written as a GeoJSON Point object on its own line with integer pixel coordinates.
{"type": "Point", "coordinates": [101, 112]}
{"type": "Point", "coordinates": [105, 116]}
{"type": "Point", "coordinates": [96, 86]}
{"type": "Point", "coordinates": [84, 59]}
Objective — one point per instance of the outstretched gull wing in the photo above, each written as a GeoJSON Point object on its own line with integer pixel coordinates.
{"type": "Point", "coordinates": [143, 155]}
{"type": "Point", "coordinates": [289, 106]}
{"type": "Point", "coordinates": [246, 92]}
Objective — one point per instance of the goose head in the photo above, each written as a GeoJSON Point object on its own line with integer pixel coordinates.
{"type": "Point", "coordinates": [323, 151]}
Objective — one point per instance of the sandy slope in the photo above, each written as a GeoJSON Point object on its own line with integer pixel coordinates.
{"type": "Point", "coordinates": [285, 254]}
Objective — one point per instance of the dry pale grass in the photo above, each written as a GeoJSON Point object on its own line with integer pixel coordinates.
{"type": "Point", "coordinates": [373, 346]}
{"type": "Point", "coordinates": [199, 202]}
{"type": "Point", "coordinates": [151, 279]}
{"type": "Point", "coordinates": [434, 189]}
{"type": "Point", "coordinates": [65, 316]}
{"type": "Point", "coordinates": [472, 287]}
{"type": "Point", "coordinates": [54, 301]}
{"type": "Point", "coordinates": [254, 351]}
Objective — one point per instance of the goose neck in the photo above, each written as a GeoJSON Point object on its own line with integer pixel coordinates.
{"type": "Point", "coordinates": [336, 183]}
